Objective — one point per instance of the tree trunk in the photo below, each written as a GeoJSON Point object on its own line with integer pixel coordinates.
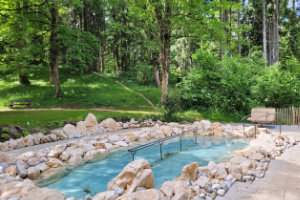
{"type": "Point", "coordinates": [163, 16]}
{"type": "Point", "coordinates": [156, 69]}
{"type": "Point", "coordinates": [54, 51]}
{"type": "Point", "coordinates": [239, 40]}
{"type": "Point", "coordinates": [276, 32]}
{"type": "Point", "coordinates": [23, 79]}
{"type": "Point", "coordinates": [294, 5]}
{"type": "Point", "coordinates": [271, 43]}
{"type": "Point", "coordinates": [264, 30]}
{"type": "Point", "coordinates": [102, 56]}
{"type": "Point", "coordinates": [116, 56]}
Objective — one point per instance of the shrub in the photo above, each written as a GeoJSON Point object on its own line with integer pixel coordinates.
{"type": "Point", "coordinates": [171, 106]}
{"type": "Point", "coordinates": [5, 129]}
{"type": "Point", "coordinates": [5, 136]}
{"type": "Point", "coordinates": [25, 132]}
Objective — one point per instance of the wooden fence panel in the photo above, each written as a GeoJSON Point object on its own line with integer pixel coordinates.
{"type": "Point", "coordinates": [288, 116]}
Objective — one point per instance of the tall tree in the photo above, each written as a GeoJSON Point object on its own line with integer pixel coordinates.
{"type": "Point", "coordinates": [264, 29]}
{"type": "Point", "coordinates": [163, 13]}
{"type": "Point", "coordinates": [276, 31]}
{"type": "Point", "coordinates": [54, 50]}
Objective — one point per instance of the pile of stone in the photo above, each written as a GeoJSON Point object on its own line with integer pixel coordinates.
{"type": "Point", "coordinates": [88, 127]}
{"type": "Point", "coordinates": [50, 163]}
{"type": "Point", "coordinates": [198, 183]}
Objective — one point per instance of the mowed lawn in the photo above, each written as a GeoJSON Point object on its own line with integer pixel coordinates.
{"type": "Point", "coordinates": [80, 91]}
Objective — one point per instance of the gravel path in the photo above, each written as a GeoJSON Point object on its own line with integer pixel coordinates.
{"type": "Point", "coordinates": [282, 179]}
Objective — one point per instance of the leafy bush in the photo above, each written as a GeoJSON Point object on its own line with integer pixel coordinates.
{"type": "Point", "coordinates": [171, 106]}
{"type": "Point", "coordinates": [5, 129]}
{"type": "Point", "coordinates": [277, 88]}
{"type": "Point", "coordinates": [25, 132]}
{"type": "Point", "coordinates": [5, 136]}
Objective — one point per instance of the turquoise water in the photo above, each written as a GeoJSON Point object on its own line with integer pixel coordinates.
{"type": "Point", "coordinates": [92, 178]}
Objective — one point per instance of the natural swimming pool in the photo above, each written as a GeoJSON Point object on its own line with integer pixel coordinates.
{"type": "Point", "coordinates": [93, 178]}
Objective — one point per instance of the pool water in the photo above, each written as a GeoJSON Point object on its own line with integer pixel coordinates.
{"type": "Point", "coordinates": [93, 177]}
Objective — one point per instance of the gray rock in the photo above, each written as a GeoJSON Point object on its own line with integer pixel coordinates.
{"type": "Point", "coordinates": [71, 198]}
{"type": "Point", "coordinates": [187, 183]}
{"type": "Point", "coordinates": [228, 184]}
{"type": "Point", "coordinates": [208, 189]}
{"type": "Point", "coordinates": [196, 188]}
{"type": "Point", "coordinates": [229, 177]}
{"type": "Point", "coordinates": [248, 178]}
{"type": "Point", "coordinates": [4, 165]}
{"type": "Point", "coordinates": [88, 197]}
{"type": "Point", "coordinates": [14, 198]}
{"type": "Point", "coordinates": [221, 192]}
{"type": "Point", "coordinates": [198, 198]}
{"type": "Point", "coordinates": [208, 198]}
{"type": "Point", "coordinates": [224, 187]}
{"type": "Point", "coordinates": [215, 186]}
{"type": "Point", "coordinates": [1, 170]}
{"type": "Point", "coordinates": [139, 189]}
{"type": "Point", "coordinates": [119, 191]}
{"type": "Point", "coordinates": [22, 172]}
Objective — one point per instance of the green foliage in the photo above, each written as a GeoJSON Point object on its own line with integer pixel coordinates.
{"type": "Point", "coordinates": [25, 132]}
{"type": "Point", "coordinates": [237, 84]}
{"type": "Point", "coordinates": [78, 47]}
{"type": "Point", "coordinates": [171, 106]}
{"type": "Point", "coordinates": [5, 136]}
{"type": "Point", "coordinates": [19, 135]}
{"type": "Point", "coordinates": [5, 129]}
{"type": "Point", "coordinates": [277, 88]}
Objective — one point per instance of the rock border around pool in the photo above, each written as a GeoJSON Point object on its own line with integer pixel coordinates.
{"type": "Point", "coordinates": [52, 162]}
{"type": "Point", "coordinates": [88, 127]}
{"type": "Point", "coordinates": [198, 183]}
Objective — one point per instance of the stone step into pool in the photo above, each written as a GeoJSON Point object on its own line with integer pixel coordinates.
{"type": "Point", "coordinates": [93, 177]}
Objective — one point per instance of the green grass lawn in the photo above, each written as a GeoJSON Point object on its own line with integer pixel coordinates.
{"type": "Point", "coordinates": [83, 94]}
{"type": "Point", "coordinates": [85, 91]}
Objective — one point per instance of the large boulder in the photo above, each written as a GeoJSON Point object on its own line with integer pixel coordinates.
{"type": "Point", "coordinates": [94, 154]}
{"type": "Point", "coordinates": [135, 174]}
{"type": "Point", "coordinates": [43, 194]}
{"type": "Point", "coordinates": [11, 188]}
{"type": "Point", "coordinates": [11, 170]}
{"type": "Point", "coordinates": [33, 172]}
{"type": "Point", "coordinates": [91, 122]}
{"type": "Point", "coordinates": [176, 190]}
{"type": "Point", "coordinates": [60, 134]}
{"type": "Point", "coordinates": [107, 195]}
{"type": "Point", "coordinates": [29, 140]}
{"type": "Point", "coordinates": [71, 131]}
{"type": "Point", "coordinates": [110, 124]}
{"type": "Point", "coordinates": [81, 128]}
{"type": "Point", "coordinates": [189, 172]}
{"type": "Point", "coordinates": [152, 194]}
{"type": "Point", "coordinates": [56, 151]}
{"type": "Point", "coordinates": [4, 157]}
{"type": "Point", "coordinates": [54, 163]}
{"type": "Point", "coordinates": [166, 130]}
{"type": "Point", "coordinates": [202, 181]}
{"type": "Point", "coordinates": [250, 131]}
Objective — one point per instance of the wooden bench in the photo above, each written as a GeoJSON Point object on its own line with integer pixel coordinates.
{"type": "Point", "coordinates": [23, 102]}
{"type": "Point", "coordinates": [262, 115]}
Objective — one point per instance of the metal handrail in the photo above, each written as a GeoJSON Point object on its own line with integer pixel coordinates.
{"type": "Point", "coordinates": [161, 141]}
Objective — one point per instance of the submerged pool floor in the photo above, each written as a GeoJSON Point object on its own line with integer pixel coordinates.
{"type": "Point", "coordinates": [93, 178]}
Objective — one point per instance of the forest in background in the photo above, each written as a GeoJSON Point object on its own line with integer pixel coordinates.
{"type": "Point", "coordinates": [228, 55]}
